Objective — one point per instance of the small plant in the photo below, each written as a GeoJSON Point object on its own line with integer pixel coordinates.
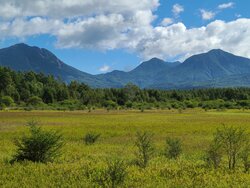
{"type": "Point", "coordinates": [32, 123]}
{"type": "Point", "coordinates": [116, 172]}
{"type": "Point", "coordinates": [145, 148]}
{"type": "Point", "coordinates": [113, 175]}
{"type": "Point", "coordinates": [173, 148]}
{"type": "Point", "coordinates": [91, 138]}
{"type": "Point", "coordinates": [40, 146]}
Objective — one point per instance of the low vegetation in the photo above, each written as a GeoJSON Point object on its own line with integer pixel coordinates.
{"type": "Point", "coordinates": [91, 138]}
{"type": "Point", "coordinates": [173, 148]}
{"type": "Point", "coordinates": [112, 175]}
{"type": "Point", "coordinates": [111, 162]}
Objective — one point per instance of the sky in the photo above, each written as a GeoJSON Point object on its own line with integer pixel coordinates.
{"type": "Point", "coordinates": [98, 36]}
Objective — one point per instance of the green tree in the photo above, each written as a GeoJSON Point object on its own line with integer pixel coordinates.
{"type": "Point", "coordinates": [41, 146]}
{"type": "Point", "coordinates": [173, 148]}
{"type": "Point", "coordinates": [5, 78]}
{"type": "Point", "coordinates": [145, 148]}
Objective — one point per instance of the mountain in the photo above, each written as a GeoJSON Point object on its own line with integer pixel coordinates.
{"type": "Point", "coordinates": [143, 75]}
{"type": "Point", "coordinates": [22, 57]}
{"type": "Point", "coordinates": [215, 68]}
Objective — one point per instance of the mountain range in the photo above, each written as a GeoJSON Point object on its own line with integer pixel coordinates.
{"type": "Point", "coordinates": [215, 68]}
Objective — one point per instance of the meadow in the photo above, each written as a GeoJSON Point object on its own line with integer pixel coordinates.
{"type": "Point", "coordinates": [195, 128]}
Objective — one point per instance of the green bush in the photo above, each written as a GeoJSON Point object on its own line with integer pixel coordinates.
{"type": "Point", "coordinates": [232, 141]}
{"type": "Point", "coordinates": [40, 146]}
{"type": "Point", "coordinates": [214, 155]}
{"type": "Point", "coordinates": [245, 156]}
{"type": "Point", "coordinates": [91, 138]}
{"type": "Point", "coordinates": [2, 106]}
{"type": "Point", "coordinates": [112, 175]}
{"type": "Point", "coordinates": [145, 148]}
{"type": "Point", "coordinates": [35, 101]}
{"type": "Point", "coordinates": [7, 101]}
{"type": "Point", "coordinates": [173, 148]}
{"type": "Point", "coordinates": [32, 123]}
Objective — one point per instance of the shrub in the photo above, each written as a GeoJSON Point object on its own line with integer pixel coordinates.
{"type": "Point", "coordinates": [91, 138]}
{"type": "Point", "coordinates": [32, 123]}
{"type": "Point", "coordinates": [116, 172]}
{"type": "Point", "coordinates": [173, 148]}
{"type": "Point", "coordinates": [145, 148]}
{"type": "Point", "coordinates": [214, 155]}
{"type": "Point", "coordinates": [7, 101]}
{"type": "Point", "coordinates": [232, 141]}
{"type": "Point", "coordinates": [245, 156]}
{"type": "Point", "coordinates": [2, 106]}
{"type": "Point", "coordinates": [113, 175]}
{"type": "Point", "coordinates": [35, 101]}
{"type": "Point", "coordinates": [110, 104]}
{"type": "Point", "coordinates": [40, 146]}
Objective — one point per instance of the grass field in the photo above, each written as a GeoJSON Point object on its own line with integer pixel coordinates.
{"type": "Point", "coordinates": [118, 128]}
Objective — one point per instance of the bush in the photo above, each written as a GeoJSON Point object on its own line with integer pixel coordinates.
{"type": "Point", "coordinates": [232, 141]}
{"type": "Point", "coordinates": [40, 146]}
{"type": "Point", "coordinates": [2, 106]}
{"type": "Point", "coordinates": [113, 175]}
{"type": "Point", "coordinates": [214, 155]}
{"type": "Point", "coordinates": [91, 138]}
{"type": "Point", "coordinates": [110, 104]}
{"type": "Point", "coordinates": [145, 148]}
{"type": "Point", "coordinates": [245, 156]}
{"type": "Point", "coordinates": [7, 101]}
{"type": "Point", "coordinates": [32, 123]}
{"type": "Point", "coordinates": [173, 148]}
{"type": "Point", "coordinates": [35, 101]}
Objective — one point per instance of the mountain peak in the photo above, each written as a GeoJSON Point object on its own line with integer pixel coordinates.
{"type": "Point", "coordinates": [216, 51]}
{"type": "Point", "coordinates": [21, 45]}
{"type": "Point", "coordinates": [155, 59]}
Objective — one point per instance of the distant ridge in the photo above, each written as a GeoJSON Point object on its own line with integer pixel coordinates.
{"type": "Point", "coordinates": [215, 68]}
{"type": "Point", "coordinates": [21, 57]}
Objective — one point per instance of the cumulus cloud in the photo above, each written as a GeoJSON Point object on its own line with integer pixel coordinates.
{"type": "Point", "coordinates": [120, 24]}
{"type": "Point", "coordinates": [167, 21]}
{"type": "Point", "coordinates": [72, 8]}
{"type": "Point", "coordinates": [105, 68]}
{"type": "Point", "coordinates": [226, 5]}
{"type": "Point", "coordinates": [177, 41]}
{"type": "Point", "coordinates": [207, 15]}
{"type": "Point", "coordinates": [177, 9]}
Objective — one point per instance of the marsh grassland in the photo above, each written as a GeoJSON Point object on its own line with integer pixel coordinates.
{"type": "Point", "coordinates": [81, 165]}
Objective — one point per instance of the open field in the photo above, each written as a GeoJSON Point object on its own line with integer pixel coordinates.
{"type": "Point", "coordinates": [194, 127]}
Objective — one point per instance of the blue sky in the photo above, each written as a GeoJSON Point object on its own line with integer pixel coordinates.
{"type": "Point", "coordinates": [122, 35]}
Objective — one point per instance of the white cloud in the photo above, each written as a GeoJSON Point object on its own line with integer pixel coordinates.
{"type": "Point", "coordinates": [177, 9]}
{"type": "Point", "coordinates": [72, 8]}
{"type": "Point", "coordinates": [116, 24]}
{"type": "Point", "coordinates": [238, 15]}
{"type": "Point", "coordinates": [105, 68]}
{"type": "Point", "coordinates": [207, 15]}
{"type": "Point", "coordinates": [178, 41]}
{"type": "Point", "coordinates": [167, 21]}
{"type": "Point", "coordinates": [226, 5]}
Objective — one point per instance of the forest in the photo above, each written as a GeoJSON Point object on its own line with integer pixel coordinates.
{"type": "Point", "coordinates": [30, 90]}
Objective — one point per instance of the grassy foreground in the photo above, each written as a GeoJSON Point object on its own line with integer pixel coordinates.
{"type": "Point", "coordinates": [194, 127]}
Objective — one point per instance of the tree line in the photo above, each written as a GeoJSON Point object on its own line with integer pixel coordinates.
{"type": "Point", "coordinates": [37, 90]}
